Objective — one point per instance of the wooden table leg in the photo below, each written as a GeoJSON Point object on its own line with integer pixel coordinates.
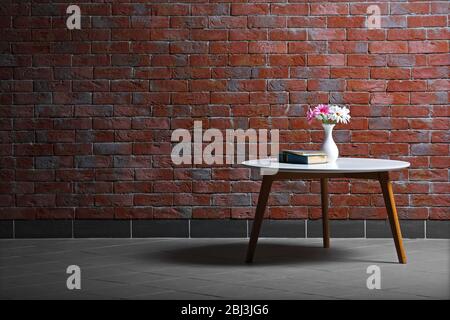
{"type": "Point", "coordinates": [388, 195]}
{"type": "Point", "coordinates": [259, 216]}
{"type": "Point", "coordinates": [325, 226]}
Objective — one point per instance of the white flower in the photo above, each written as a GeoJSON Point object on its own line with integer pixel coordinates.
{"type": "Point", "coordinates": [339, 114]}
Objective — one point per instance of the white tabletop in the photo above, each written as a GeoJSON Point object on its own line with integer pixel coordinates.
{"type": "Point", "coordinates": [342, 165]}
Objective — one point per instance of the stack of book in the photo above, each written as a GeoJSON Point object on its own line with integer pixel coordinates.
{"type": "Point", "coordinates": [302, 157]}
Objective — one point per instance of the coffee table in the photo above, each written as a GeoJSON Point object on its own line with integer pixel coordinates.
{"type": "Point", "coordinates": [355, 168]}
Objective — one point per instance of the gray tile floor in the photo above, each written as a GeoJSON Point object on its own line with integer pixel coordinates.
{"type": "Point", "coordinates": [214, 269]}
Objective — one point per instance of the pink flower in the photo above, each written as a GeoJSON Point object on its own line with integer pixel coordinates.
{"type": "Point", "coordinates": [311, 115]}
{"type": "Point", "coordinates": [323, 109]}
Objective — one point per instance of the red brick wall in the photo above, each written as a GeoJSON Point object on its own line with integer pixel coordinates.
{"type": "Point", "coordinates": [86, 115]}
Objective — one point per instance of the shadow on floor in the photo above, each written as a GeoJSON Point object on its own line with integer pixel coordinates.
{"type": "Point", "coordinates": [266, 254]}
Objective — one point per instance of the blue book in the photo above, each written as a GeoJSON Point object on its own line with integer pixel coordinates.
{"type": "Point", "coordinates": [302, 157]}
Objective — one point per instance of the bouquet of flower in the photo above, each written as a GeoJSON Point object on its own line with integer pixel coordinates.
{"type": "Point", "coordinates": [329, 114]}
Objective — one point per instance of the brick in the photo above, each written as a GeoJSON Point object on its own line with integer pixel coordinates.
{"type": "Point", "coordinates": [350, 73]}
{"type": "Point", "coordinates": [361, 8]}
{"type": "Point", "coordinates": [53, 187]}
{"type": "Point", "coordinates": [407, 85]}
{"type": "Point", "coordinates": [218, 9]}
{"type": "Point", "coordinates": [427, 21]}
{"type": "Point", "coordinates": [287, 85]}
{"type": "Point", "coordinates": [169, 85]}
{"type": "Point", "coordinates": [438, 59]}
{"type": "Point", "coordinates": [93, 161]}
{"type": "Point", "coordinates": [408, 8]}
{"type": "Point", "coordinates": [227, 22]}
{"type": "Point", "coordinates": [266, 22]}
{"type": "Point", "coordinates": [326, 85]}
{"type": "Point", "coordinates": [188, 47]}
{"type": "Point", "coordinates": [347, 47]}
{"type": "Point", "coordinates": [112, 148]}
{"type": "Point", "coordinates": [428, 46]}
{"type": "Point", "coordinates": [346, 22]}
{"type": "Point", "coordinates": [440, 187]}
{"type": "Point", "coordinates": [389, 98]}
{"type": "Point", "coordinates": [389, 149]}
{"type": "Point", "coordinates": [128, 60]}
{"type": "Point", "coordinates": [286, 60]}
{"type": "Point", "coordinates": [287, 34]}
{"type": "Point", "coordinates": [72, 98]}
{"type": "Point", "coordinates": [64, 149]}
{"type": "Point", "coordinates": [308, 97]}
{"type": "Point", "coordinates": [366, 60]}
{"type": "Point", "coordinates": [179, 22]}
{"type": "Point", "coordinates": [207, 35]}
{"type": "Point", "coordinates": [306, 47]}
{"type": "Point", "coordinates": [329, 9]}
{"type": "Point", "coordinates": [406, 34]}
{"type": "Point", "coordinates": [326, 60]}
{"type": "Point", "coordinates": [190, 98]}
{"type": "Point", "coordinates": [435, 124]}
{"type": "Point", "coordinates": [429, 97]}
{"type": "Point", "coordinates": [439, 213]}
{"type": "Point", "coordinates": [170, 10]}
{"type": "Point", "coordinates": [250, 9]}
{"type": "Point", "coordinates": [228, 47]}
{"type": "Point", "coordinates": [247, 60]}
{"type": "Point", "coordinates": [432, 200]}
{"type": "Point", "coordinates": [53, 162]}
{"type": "Point", "coordinates": [208, 85]}
{"type": "Point", "coordinates": [439, 136]}
{"type": "Point", "coordinates": [363, 85]}
{"type": "Point", "coordinates": [429, 149]}
{"type": "Point", "coordinates": [113, 174]}
{"type": "Point", "coordinates": [390, 73]}
{"type": "Point", "coordinates": [303, 22]}
{"type": "Point", "coordinates": [149, 98]}
{"type": "Point", "coordinates": [27, 124]}
{"type": "Point", "coordinates": [32, 98]}
{"type": "Point", "coordinates": [326, 34]}
{"type": "Point", "coordinates": [211, 187]}
{"type": "Point", "coordinates": [370, 136]}
{"type": "Point", "coordinates": [367, 213]}
{"type": "Point", "coordinates": [33, 149]}
{"type": "Point", "coordinates": [112, 73]}
{"type": "Point", "coordinates": [350, 97]}
{"type": "Point", "coordinates": [429, 73]}
{"type": "Point", "coordinates": [349, 200]}
{"type": "Point", "coordinates": [229, 98]}
{"type": "Point", "coordinates": [366, 34]}
{"type": "Point", "coordinates": [409, 136]}
{"type": "Point", "coordinates": [289, 9]}
{"type": "Point", "coordinates": [393, 21]}
{"type": "Point", "coordinates": [428, 175]}
{"type": "Point", "coordinates": [36, 200]}
{"type": "Point", "coordinates": [131, 35]}
{"type": "Point", "coordinates": [388, 47]}
{"type": "Point", "coordinates": [272, 98]}
{"type": "Point", "coordinates": [248, 34]}
{"type": "Point", "coordinates": [267, 47]}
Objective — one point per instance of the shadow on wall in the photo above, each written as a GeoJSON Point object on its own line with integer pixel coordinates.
{"type": "Point", "coordinates": [233, 254]}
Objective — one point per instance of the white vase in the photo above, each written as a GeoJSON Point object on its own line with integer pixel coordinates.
{"type": "Point", "coordinates": [329, 146]}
